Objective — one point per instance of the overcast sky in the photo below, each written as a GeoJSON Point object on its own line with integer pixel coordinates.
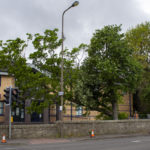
{"type": "Point", "coordinates": [19, 17]}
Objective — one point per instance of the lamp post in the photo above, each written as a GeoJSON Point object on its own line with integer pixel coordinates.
{"type": "Point", "coordinates": [61, 93]}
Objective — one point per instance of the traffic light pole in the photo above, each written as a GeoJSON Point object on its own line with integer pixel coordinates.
{"type": "Point", "coordinates": [10, 90]}
{"type": "Point", "coordinates": [11, 94]}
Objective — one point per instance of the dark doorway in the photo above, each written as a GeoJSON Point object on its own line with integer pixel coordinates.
{"type": "Point", "coordinates": [35, 117]}
{"type": "Point", "coordinates": [18, 114]}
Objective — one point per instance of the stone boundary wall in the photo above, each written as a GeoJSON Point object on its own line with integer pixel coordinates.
{"type": "Point", "coordinates": [78, 128]}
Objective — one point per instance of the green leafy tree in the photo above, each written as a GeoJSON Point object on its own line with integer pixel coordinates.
{"type": "Point", "coordinates": [138, 39]}
{"type": "Point", "coordinates": [107, 71]}
{"type": "Point", "coordinates": [73, 60]}
{"type": "Point", "coordinates": [47, 59]}
{"type": "Point", "coordinates": [41, 80]}
{"type": "Point", "coordinates": [35, 82]}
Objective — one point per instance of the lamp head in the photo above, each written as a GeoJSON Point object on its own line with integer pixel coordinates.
{"type": "Point", "coordinates": [76, 3]}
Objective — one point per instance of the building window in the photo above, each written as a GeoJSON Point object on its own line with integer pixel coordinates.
{"type": "Point", "coordinates": [79, 111]}
{"type": "Point", "coordinates": [18, 113]}
{"type": "Point", "coordinates": [1, 108]}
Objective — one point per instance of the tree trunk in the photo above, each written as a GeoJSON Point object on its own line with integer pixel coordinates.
{"type": "Point", "coordinates": [115, 110]}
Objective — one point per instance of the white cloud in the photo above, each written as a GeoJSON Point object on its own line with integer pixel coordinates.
{"type": "Point", "coordinates": [145, 5]}
{"type": "Point", "coordinates": [19, 17]}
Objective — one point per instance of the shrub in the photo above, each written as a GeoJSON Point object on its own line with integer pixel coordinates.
{"type": "Point", "coordinates": [123, 115]}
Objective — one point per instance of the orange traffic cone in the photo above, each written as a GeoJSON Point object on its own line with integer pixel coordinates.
{"type": "Point", "coordinates": [3, 139]}
{"type": "Point", "coordinates": [92, 133]}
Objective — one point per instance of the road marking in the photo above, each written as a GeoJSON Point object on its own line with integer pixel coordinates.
{"type": "Point", "coordinates": [136, 141]}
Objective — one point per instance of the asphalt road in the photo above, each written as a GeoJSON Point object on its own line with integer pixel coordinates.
{"type": "Point", "coordinates": [127, 143]}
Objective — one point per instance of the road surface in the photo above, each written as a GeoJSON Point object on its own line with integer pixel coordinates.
{"type": "Point", "coordinates": [119, 143]}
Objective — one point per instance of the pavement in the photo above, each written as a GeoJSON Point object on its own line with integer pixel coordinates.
{"type": "Point", "coordinates": [36, 141]}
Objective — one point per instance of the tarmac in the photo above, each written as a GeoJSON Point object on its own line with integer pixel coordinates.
{"type": "Point", "coordinates": [37, 141]}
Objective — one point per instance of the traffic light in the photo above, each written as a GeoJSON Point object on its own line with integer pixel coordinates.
{"type": "Point", "coordinates": [14, 94]}
{"type": "Point", "coordinates": [7, 95]}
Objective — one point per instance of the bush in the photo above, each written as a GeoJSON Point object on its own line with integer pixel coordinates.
{"type": "Point", "coordinates": [102, 116]}
{"type": "Point", "coordinates": [143, 116]}
{"type": "Point", "coordinates": [123, 115]}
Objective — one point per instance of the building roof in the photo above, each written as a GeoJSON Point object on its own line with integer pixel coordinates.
{"type": "Point", "coordinates": [37, 69]}
{"type": "Point", "coordinates": [5, 73]}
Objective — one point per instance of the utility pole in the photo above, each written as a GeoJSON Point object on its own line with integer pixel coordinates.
{"type": "Point", "coordinates": [61, 93]}
{"type": "Point", "coordinates": [10, 90]}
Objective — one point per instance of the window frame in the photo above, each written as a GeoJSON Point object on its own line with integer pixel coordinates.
{"type": "Point", "coordinates": [79, 111]}
{"type": "Point", "coordinates": [1, 108]}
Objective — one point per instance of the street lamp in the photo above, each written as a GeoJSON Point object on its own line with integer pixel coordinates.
{"type": "Point", "coordinates": [61, 93]}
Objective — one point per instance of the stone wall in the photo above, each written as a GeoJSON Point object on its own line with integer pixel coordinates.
{"type": "Point", "coordinates": [78, 129]}
{"type": "Point", "coordinates": [105, 127]}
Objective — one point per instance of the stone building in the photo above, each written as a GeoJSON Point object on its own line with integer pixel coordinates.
{"type": "Point", "coordinates": [49, 115]}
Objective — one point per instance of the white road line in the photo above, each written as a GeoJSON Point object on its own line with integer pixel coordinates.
{"type": "Point", "coordinates": [136, 141]}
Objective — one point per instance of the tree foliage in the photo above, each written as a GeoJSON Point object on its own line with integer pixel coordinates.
{"type": "Point", "coordinates": [107, 71]}
{"type": "Point", "coordinates": [41, 80]}
{"type": "Point", "coordinates": [96, 83]}
{"type": "Point", "coordinates": [139, 40]}
{"type": "Point", "coordinates": [34, 81]}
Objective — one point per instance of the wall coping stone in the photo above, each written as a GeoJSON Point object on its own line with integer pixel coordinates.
{"type": "Point", "coordinates": [102, 121]}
